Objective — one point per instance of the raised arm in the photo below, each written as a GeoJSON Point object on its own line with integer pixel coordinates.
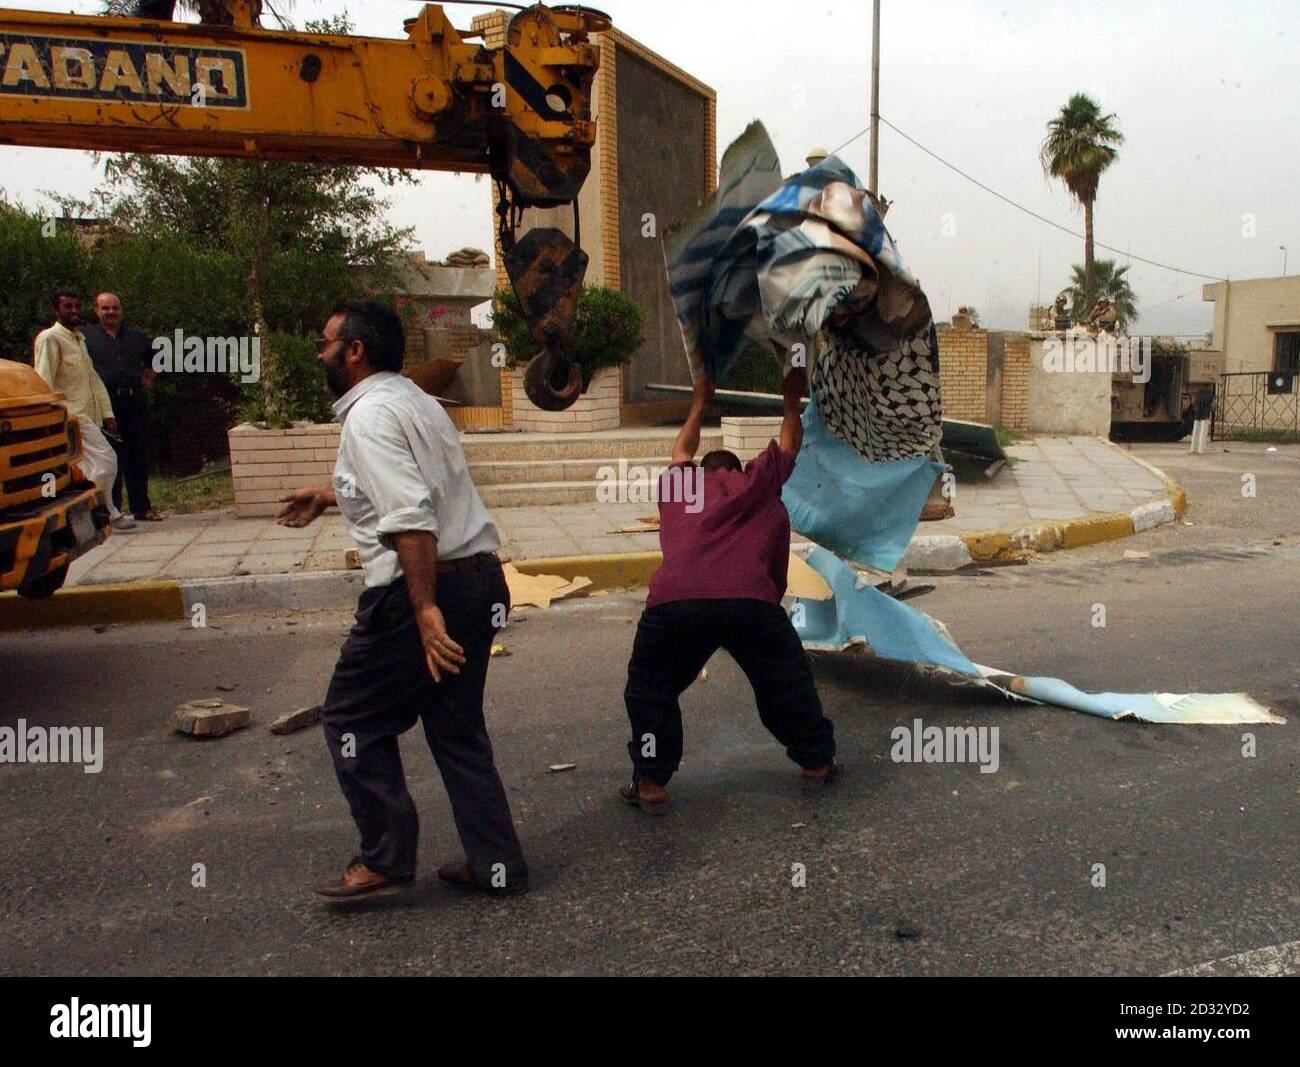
{"type": "Point", "coordinates": [796, 382]}
{"type": "Point", "coordinates": [688, 439]}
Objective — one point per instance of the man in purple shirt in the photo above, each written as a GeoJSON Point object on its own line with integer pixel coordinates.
{"type": "Point", "coordinates": [726, 541]}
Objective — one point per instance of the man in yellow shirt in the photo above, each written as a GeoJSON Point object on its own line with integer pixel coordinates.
{"type": "Point", "coordinates": [63, 361]}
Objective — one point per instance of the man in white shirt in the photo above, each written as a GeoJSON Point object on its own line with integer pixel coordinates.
{"type": "Point", "coordinates": [61, 358]}
{"type": "Point", "coordinates": [435, 596]}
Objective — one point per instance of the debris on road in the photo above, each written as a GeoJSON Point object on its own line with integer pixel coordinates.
{"type": "Point", "coordinates": [210, 718]}
{"type": "Point", "coordinates": [500, 650]}
{"type": "Point", "coordinates": [557, 767]}
{"type": "Point", "coordinates": [540, 589]}
{"type": "Point", "coordinates": [292, 721]}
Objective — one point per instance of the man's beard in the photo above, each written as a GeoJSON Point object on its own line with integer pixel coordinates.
{"type": "Point", "coordinates": [336, 377]}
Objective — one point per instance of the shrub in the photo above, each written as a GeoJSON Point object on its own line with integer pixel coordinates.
{"type": "Point", "coordinates": [606, 329]}
{"type": "Point", "coordinates": [296, 383]}
{"type": "Point", "coordinates": [36, 258]}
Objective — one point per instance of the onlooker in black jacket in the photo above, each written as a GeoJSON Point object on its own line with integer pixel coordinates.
{"type": "Point", "coordinates": [122, 356]}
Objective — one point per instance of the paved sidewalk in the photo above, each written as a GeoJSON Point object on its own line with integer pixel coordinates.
{"type": "Point", "coordinates": [1049, 479]}
{"type": "Point", "coordinates": [1052, 479]}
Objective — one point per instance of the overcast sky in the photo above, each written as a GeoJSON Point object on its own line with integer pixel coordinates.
{"type": "Point", "coordinates": [1205, 94]}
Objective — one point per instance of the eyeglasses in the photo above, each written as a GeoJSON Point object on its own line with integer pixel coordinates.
{"type": "Point", "coordinates": [323, 343]}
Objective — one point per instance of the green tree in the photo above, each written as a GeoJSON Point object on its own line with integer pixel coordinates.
{"type": "Point", "coordinates": [1081, 143]}
{"type": "Point", "coordinates": [38, 255]}
{"type": "Point", "coordinates": [1109, 282]}
{"type": "Point", "coordinates": [284, 241]}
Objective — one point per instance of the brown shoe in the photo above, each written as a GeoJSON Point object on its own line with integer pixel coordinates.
{"type": "Point", "coordinates": [815, 779]}
{"type": "Point", "coordinates": [646, 794]}
{"type": "Point", "coordinates": [460, 876]}
{"type": "Point", "coordinates": [358, 880]}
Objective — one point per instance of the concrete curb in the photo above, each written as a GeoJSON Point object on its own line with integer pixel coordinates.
{"type": "Point", "coordinates": [949, 552]}
{"type": "Point", "coordinates": [90, 605]}
{"type": "Point", "coordinates": [163, 601]}
{"type": "Point", "coordinates": [94, 605]}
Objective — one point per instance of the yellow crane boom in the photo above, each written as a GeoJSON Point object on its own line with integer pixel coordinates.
{"type": "Point", "coordinates": [436, 100]}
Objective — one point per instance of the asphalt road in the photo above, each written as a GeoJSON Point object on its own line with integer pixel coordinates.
{"type": "Point", "coordinates": [910, 868]}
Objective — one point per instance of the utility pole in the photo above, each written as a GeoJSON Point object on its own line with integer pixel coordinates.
{"type": "Point", "coordinates": [873, 182]}
{"type": "Point", "coordinates": [1282, 249]}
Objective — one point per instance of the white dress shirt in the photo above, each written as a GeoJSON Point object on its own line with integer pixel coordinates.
{"type": "Point", "coordinates": [401, 467]}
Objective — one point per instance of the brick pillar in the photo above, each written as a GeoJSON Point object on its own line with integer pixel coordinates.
{"type": "Point", "coordinates": [493, 25]}
{"type": "Point", "coordinates": [711, 147]}
{"type": "Point", "coordinates": [507, 397]}
{"type": "Point", "coordinates": [963, 372]}
{"type": "Point", "coordinates": [1015, 382]}
{"type": "Point", "coordinates": [606, 92]}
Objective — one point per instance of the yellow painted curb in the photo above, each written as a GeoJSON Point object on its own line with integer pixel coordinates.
{"type": "Point", "coordinates": [1178, 498]}
{"type": "Point", "coordinates": [1095, 529]}
{"type": "Point", "coordinates": [990, 545]}
{"type": "Point", "coordinates": [91, 605]}
{"type": "Point", "coordinates": [994, 544]}
{"type": "Point", "coordinates": [606, 572]}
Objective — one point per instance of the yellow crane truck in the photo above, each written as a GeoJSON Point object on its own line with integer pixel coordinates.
{"type": "Point", "coordinates": [49, 513]}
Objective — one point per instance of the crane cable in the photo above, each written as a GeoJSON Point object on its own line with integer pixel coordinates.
{"type": "Point", "coordinates": [1026, 210]}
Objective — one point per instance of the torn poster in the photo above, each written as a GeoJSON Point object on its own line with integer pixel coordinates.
{"type": "Point", "coordinates": [806, 268]}
{"type": "Point", "coordinates": [860, 614]}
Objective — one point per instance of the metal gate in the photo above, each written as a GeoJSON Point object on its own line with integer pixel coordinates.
{"type": "Point", "coordinates": [1254, 402]}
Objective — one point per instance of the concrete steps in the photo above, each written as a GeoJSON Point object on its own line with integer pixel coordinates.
{"type": "Point", "coordinates": [523, 470]}
{"type": "Point", "coordinates": [635, 442]}
{"type": "Point", "coordinates": [527, 494]}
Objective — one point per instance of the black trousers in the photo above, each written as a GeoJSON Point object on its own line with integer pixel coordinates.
{"type": "Point", "coordinates": [132, 412]}
{"type": "Point", "coordinates": [382, 685]}
{"type": "Point", "coordinates": [675, 640]}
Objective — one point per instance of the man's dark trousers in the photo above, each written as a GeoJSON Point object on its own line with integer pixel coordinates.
{"type": "Point", "coordinates": [676, 639]}
{"type": "Point", "coordinates": [382, 684]}
{"type": "Point", "coordinates": [131, 408]}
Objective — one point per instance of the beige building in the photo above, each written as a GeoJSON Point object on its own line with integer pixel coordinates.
{"type": "Point", "coordinates": [1256, 323]}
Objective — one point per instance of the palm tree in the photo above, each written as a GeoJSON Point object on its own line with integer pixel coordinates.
{"type": "Point", "coordinates": [1109, 282]}
{"type": "Point", "coordinates": [1081, 143]}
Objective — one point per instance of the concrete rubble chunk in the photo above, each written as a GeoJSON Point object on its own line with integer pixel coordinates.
{"type": "Point", "coordinates": [210, 718]}
{"type": "Point", "coordinates": [292, 721]}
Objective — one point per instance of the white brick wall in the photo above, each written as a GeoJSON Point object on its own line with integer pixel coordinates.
{"type": "Point", "coordinates": [596, 409]}
{"type": "Point", "coordinates": [747, 436]}
{"type": "Point", "coordinates": [266, 464]}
